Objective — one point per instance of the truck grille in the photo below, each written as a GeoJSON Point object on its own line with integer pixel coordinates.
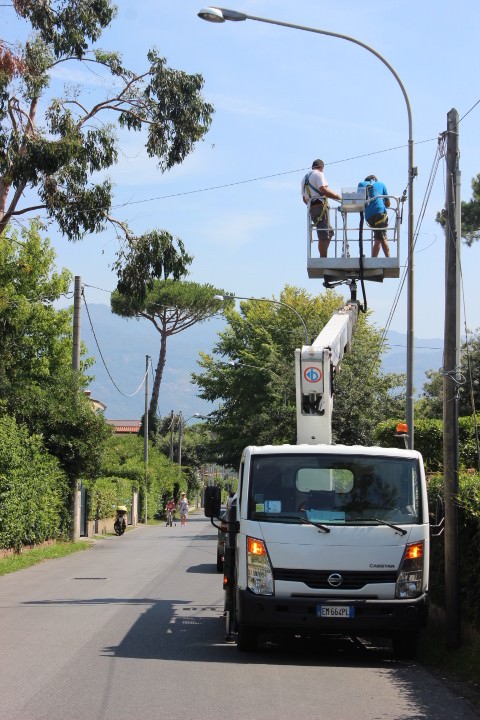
{"type": "Point", "coordinates": [351, 580]}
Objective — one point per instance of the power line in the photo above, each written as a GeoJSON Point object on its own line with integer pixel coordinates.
{"type": "Point", "coordinates": [103, 359]}
{"type": "Point", "coordinates": [263, 177]}
{"type": "Point", "coordinates": [469, 111]}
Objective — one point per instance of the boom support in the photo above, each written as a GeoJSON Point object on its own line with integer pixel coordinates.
{"type": "Point", "coordinates": [316, 366]}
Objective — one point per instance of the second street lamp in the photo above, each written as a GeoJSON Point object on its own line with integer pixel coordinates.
{"type": "Point", "coordinates": [220, 15]}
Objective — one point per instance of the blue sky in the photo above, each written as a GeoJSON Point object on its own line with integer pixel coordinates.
{"type": "Point", "coordinates": [284, 97]}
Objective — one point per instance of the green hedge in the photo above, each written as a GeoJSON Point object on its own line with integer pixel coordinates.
{"type": "Point", "coordinates": [33, 489]}
{"type": "Point", "coordinates": [429, 441]}
{"type": "Point", "coordinates": [105, 493]}
{"type": "Point", "coordinates": [123, 472]}
{"type": "Point", "coordinates": [468, 543]}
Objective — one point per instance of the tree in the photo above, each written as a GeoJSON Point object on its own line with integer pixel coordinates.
{"type": "Point", "coordinates": [53, 145]}
{"type": "Point", "coordinates": [171, 306]}
{"type": "Point", "coordinates": [251, 375]}
{"type": "Point", "coordinates": [37, 384]}
{"type": "Point", "coordinates": [470, 215]}
{"type": "Point", "coordinates": [431, 402]}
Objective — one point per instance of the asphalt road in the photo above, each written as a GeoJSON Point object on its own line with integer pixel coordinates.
{"type": "Point", "coordinates": [132, 630]}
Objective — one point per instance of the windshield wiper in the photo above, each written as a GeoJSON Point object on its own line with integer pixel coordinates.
{"type": "Point", "coordinates": [286, 516]}
{"type": "Point", "coordinates": [398, 529]}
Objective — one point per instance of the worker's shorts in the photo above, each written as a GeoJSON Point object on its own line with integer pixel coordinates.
{"type": "Point", "coordinates": [377, 221]}
{"type": "Point", "coordinates": [320, 214]}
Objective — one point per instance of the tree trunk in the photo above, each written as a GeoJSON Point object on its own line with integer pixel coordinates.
{"type": "Point", "coordinates": [152, 410]}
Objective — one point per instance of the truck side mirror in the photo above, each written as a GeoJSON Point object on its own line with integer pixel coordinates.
{"type": "Point", "coordinates": [212, 501]}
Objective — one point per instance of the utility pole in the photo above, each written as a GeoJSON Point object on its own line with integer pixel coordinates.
{"type": "Point", "coordinates": [77, 308]}
{"type": "Point", "coordinates": [145, 437]}
{"type": "Point", "coordinates": [172, 418]}
{"type": "Point", "coordinates": [451, 364]}
{"type": "Point", "coordinates": [180, 439]}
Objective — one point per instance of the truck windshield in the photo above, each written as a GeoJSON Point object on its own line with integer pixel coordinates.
{"type": "Point", "coordinates": [334, 489]}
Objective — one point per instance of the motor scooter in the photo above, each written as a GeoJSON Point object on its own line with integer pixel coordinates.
{"type": "Point", "coordinates": [120, 524]}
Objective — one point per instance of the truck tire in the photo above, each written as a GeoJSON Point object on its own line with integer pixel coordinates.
{"type": "Point", "coordinates": [247, 638]}
{"type": "Point", "coordinates": [405, 645]}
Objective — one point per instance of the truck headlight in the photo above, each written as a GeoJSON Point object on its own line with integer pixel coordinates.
{"type": "Point", "coordinates": [259, 570]}
{"type": "Point", "coordinates": [410, 577]}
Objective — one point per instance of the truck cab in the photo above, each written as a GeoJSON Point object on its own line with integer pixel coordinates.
{"type": "Point", "coordinates": [330, 540]}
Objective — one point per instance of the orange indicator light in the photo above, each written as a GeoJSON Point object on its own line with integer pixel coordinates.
{"type": "Point", "coordinates": [255, 547]}
{"type": "Point", "coordinates": [414, 551]}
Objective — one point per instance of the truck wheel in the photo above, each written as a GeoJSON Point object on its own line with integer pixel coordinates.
{"type": "Point", "coordinates": [247, 638]}
{"type": "Point", "coordinates": [405, 646]}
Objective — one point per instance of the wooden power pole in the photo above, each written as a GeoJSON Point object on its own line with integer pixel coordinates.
{"type": "Point", "coordinates": [451, 364]}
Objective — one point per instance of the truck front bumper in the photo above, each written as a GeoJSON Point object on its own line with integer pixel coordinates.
{"type": "Point", "coordinates": [302, 614]}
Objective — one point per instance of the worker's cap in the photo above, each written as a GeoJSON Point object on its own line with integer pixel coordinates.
{"type": "Point", "coordinates": [317, 164]}
{"type": "Point", "coordinates": [371, 177]}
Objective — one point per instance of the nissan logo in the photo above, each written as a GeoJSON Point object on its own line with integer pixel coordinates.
{"type": "Point", "coordinates": [335, 579]}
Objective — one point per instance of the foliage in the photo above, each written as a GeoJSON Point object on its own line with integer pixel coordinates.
{"type": "Point", "coordinates": [470, 220]}
{"type": "Point", "coordinates": [468, 504]}
{"type": "Point", "coordinates": [54, 145]}
{"type": "Point", "coordinates": [143, 261]}
{"type": "Point", "coordinates": [170, 305]}
{"type": "Point", "coordinates": [124, 460]}
{"type": "Point", "coordinates": [37, 383]}
{"type": "Point", "coordinates": [35, 338]}
{"type": "Point", "coordinates": [431, 403]}
{"type": "Point", "coordinates": [252, 375]}
{"type": "Point", "coordinates": [364, 395]}
{"type": "Point", "coordinates": [429, 441]}
{"type": "Point", "coordinates": [33, 489]}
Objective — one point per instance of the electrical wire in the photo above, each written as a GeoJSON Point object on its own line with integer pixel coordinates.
{"type": "Point", "coordinates": [440, 152]}
{"type": "Point", "coordinates": [103, 359]}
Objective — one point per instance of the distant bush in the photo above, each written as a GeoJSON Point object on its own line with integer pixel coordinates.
{"type": "Point", "coordinates": [33, 489]}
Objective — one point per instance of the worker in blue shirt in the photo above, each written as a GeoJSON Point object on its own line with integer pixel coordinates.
{"type": "Point", "coordinates": [376, 213]}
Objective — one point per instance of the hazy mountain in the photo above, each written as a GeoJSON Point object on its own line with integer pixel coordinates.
{"type": "Point", "coordinates": [124, 343]}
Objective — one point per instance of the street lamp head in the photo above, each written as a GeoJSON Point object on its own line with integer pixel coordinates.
{"type": "Point", "coordinates": [219, 15]}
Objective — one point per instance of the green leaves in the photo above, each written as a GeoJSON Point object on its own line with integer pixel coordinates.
{"type": "Point", "coordinates": [32, 488]}
{"type": "Point", "coordinates": [470, 215]}
{"type": "Point", "coordinates": [250, 375]}
{"type": "Point", "coordinates": [145, 260]}
{"type": "Point", "coordinates": [55, 145]}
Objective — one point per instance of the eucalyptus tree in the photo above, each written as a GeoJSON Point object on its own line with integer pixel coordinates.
{"type": "Point", "coordinates": [52, 147]}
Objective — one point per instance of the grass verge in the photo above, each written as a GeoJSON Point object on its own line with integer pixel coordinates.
{"type": "Point", "coordinates": [27, 558]}
{"type": "Point", "coordinates": [459, 668]}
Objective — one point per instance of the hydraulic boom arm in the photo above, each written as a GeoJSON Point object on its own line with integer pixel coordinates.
{"type": "Point", "coordinates": [316, 366]}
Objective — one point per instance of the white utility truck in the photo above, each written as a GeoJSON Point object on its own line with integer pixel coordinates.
{"type": "Point", "coordinates": [324, 538]}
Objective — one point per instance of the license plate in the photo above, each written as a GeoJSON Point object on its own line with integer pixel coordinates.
{"type": "Point", "coordinates": [335, 611]}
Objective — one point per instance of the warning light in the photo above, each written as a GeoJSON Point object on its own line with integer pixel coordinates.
{"type": "Point", "coordinates": [402, 429]}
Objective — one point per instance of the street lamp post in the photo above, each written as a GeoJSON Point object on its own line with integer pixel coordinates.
{"type": "Point", "coordinates": [268, 300]}
{"type": "Point", "coordinates": [220, 15]}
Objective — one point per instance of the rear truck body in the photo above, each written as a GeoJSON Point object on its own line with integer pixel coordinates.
{"type": "Point", "coordinates": [329, 539]}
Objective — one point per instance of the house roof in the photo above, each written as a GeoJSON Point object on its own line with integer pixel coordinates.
{"type": "Point", "coordinates": [125, 426]}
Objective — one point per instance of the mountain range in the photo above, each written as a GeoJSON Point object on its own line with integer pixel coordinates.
{"type": "Point", "coordinates": [120, 346]}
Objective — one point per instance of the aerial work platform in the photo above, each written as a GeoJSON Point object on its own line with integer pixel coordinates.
{"type": "Point", "coordinates": [345, 260]}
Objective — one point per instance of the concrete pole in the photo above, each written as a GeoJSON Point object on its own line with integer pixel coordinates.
{"type": "Point", "coordinates": [450, 388]}
{"type": "Point", "coordinates": [145, 437]}
{"type": "Point", "coordinates": [76, 342]}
